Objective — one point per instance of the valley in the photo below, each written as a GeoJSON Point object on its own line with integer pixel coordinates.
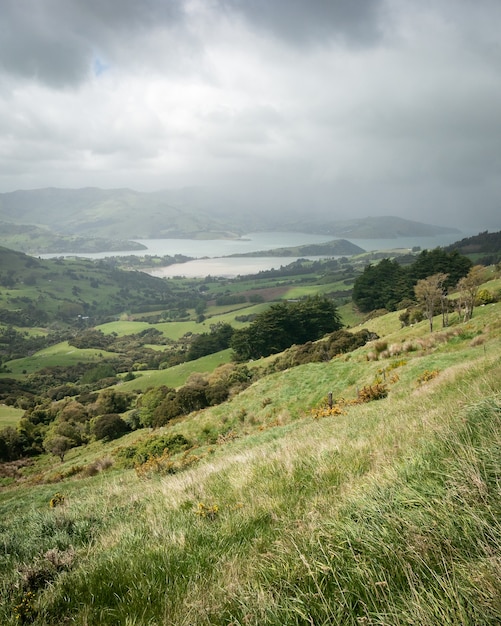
{"type": "Point", "coordinates": [146, 451]}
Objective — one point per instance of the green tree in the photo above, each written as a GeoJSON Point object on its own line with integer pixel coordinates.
{"type": "Point", "coordinates": [284, 324]}
{"type": "Point", "coordinates": [381, 286]}
{"type": "Point", "coordinates": [438, 261]}
{"type": "Point", "coordinates": [58, 445]}
{"type": "Point", "coordinates": [112, 401]}
{"type": "Point", "coordinates": [109, 426]}
{"type": "Point", "coordinates": [149, 402]}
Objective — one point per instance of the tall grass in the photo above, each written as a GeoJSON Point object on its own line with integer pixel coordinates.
{"type": "Point", "coordinates": [389, 513]}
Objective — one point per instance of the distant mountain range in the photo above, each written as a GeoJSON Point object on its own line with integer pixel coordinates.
{"type": "Point", "coordinates": [51, 219]}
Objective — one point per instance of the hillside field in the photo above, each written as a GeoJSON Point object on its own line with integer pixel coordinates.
{"type": "Point", "coordinates": [278, 510]}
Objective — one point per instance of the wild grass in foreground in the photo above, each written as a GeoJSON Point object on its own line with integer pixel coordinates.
{"type": "Point", "coordinates": [388, 514]}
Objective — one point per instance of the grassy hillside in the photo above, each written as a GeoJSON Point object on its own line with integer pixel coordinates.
{"type": "Point", "coordinates": [110, 213]}
{"type": "Point", "coordinates": [338, 247]}
{"type": "Point", "coordinates": [37, 240]}
{"type": "Point", "coordinates": [36, 292]}
{"type": "Point", "coordinates": [271, 509]}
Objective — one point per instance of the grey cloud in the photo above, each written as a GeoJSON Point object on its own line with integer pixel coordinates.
{"type": "Point", "coordinates": [351, 107]}
{"type": "Point", "coordinates": [56, 41]}
{"type": "Point", "coordinates": [310, 21]}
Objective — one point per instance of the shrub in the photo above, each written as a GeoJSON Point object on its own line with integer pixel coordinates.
{"type": "Point", "coordinates": [109, 426]}
{"type": "Point", "coordinates": [427, 375]}
{"type": "Point", "coordinates": [377, 391]}
{"type": "Point", "coordinates": [56, 500]}
{"type": "Point", "coordinates": [152, 447]}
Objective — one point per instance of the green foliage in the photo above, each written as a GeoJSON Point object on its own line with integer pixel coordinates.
{"type": "Point", "coordinates": [155, 446]}
{"type": "Point", "coordinates": [12, 444]}
{"type": "Point", "coordinates": [381, 286]}
{"type": "Point", "coordinates": [284, 324]}
{"type": "Point", "coordinates": [430, 262]}
{"type": "Point", "coordinates": [484, 296]}
{"type": "Point", "coordinates": [97, 373]}
{"type": "Point", "coordinates": [58, 445]}
{"type": "Point", "coordinates": [113, 401]}
{"type": "Point", "coordinates": [387, 284]}
{"type": "Point", "coordinates": [109, 426]}
{"type": "Point", "coordinates": [338, 342]}
{"type": "Point", "coordinates": [91, 338]}
{"type": "Point", "coordinates": [217, 339]}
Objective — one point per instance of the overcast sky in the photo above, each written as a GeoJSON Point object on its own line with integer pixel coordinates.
{"type": "Point", "coordinates": [358, 107]}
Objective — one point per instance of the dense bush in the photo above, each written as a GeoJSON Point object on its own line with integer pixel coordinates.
{"type": "Point", "coordinates": [338, 342]}
{"type": "Point", "coordinates": [141, 451]}
{"type": "Point", "coordinates": [388, 284]}
{"type": "Point", "coordinates": [285, 324]}
{"type": "Point", "coordinates": [109, 426]}
{"type": "Point", "coordinates": [217, 339]}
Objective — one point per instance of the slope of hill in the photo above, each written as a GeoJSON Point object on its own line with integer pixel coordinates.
{"type": "Point", "coordinates": [380, 227]}
{"type": "Point", "coordinates": [274, 509]}
{"type": "Point", "coordinates": [484, 247]}
{"type": "Point", "coordinates": [35, 291]}
{"type": "Point", "coordinates": [36, 240]}
{"type": "Point", "coordinates": [114, 213]}
{"type": "Point", "coordinates": [128, 214]}
{"type": "Point", "coordinates": [338, 247]}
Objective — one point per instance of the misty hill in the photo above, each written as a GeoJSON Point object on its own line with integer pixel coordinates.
{"type": "Point", "coordinates": [39, 240]}
{"type": "Point", "coordinates": [128, 214]}
{"type": "Point", "coordinates": [338, 247]}
{"type": "Point", "coordinates": [113, 213]}
{"type": "Point", "coordinates": [380, 227]}
{"type": "Point", "coordinates": [485, 246]}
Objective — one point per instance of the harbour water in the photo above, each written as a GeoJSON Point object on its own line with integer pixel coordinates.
{"type": "Point", "coordinates": [212, 255]}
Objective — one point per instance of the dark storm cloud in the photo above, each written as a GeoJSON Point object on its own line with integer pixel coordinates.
{"type": "Point", "coordinates": [298, 21]}
{"type": "Point", "coordinates": [351, 107]}
{"type": "Point", "coordinates": [57, 41]}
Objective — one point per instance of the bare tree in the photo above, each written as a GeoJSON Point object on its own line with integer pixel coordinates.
{"type": "Point", "coordinates": [467, 291]}
{"type": "Point", "coordinates": [429, 292]}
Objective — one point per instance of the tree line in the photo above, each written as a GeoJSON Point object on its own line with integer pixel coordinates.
{"type": "Point", "coordinates": [285, 324]}
{"type": "Point", "coordinates": [390, 285]}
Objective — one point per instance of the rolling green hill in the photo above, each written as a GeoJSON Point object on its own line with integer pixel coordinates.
{"type": "Point", "coordinates": [38, 240]}
{"type": "Point", "coordinates": [484, 247]}
{"type": "Point", "coordinates": [36, 292]}
{"type": "Point", "coordinates": [338, 247]}
{"type": "Point", "coordinates": [115, 213]}
{"type": "Point", "coordinates": [272, 508]}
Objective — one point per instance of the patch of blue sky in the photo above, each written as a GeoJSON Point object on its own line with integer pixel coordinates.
{"type": "Point", "coordinates": [99, 66]}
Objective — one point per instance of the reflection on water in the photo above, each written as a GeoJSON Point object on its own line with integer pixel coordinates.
{"type": "Point", "coordinates": [209, 253]}
{"type": "Point", "coordinates": [229, 268]}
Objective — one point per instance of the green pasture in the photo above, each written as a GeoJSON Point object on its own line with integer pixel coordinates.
{"type": "Point", "coordinates": [61, 354]}
{"type": "Point", "coordinates": [9, 416]}
{"type": "Point", "coordinates": [302, 291]}
{"type": "Point", "coordinates": [227, 314]}
{"type": "Point", "coordinates": [176, 330]}
{"type": "Point", "coordinates": [177, 375]}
